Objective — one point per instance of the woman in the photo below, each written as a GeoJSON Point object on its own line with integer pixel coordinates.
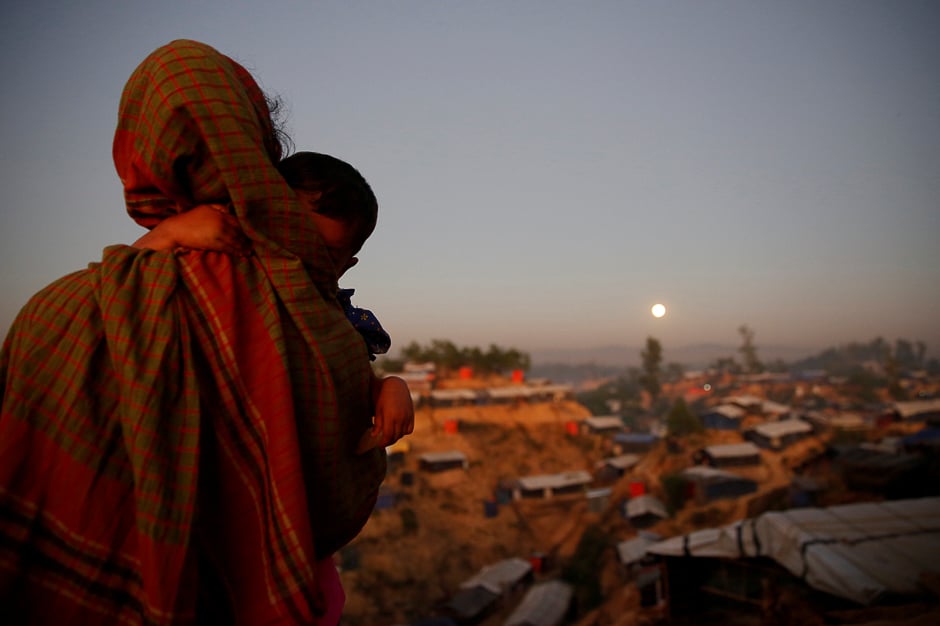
{"type": "Point", "coordinates": [177, 431]}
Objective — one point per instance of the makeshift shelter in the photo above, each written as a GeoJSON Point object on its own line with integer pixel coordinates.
{"type": "Point", "coordinates": [732, 454]}
{"type": "Point", "coordinates": [598, 499]}
{"type": "Point", "coordinates": [894, 475]}
{"type": "Point", "coordinates": [396, 453]}
{"type": "Point", "coordinates": [471, 605]}
{"type": "Point", "coordinates": [843, 423]}
{"type": "Point", "coordinates": [925, 440]}
{"type": "Point", "coordinates": [804, 490]}
{"type": "Point", "coordinates": [453, 397]}
{"type": "Point", "coordinates": [550, 392]}
{"type": "Point", "coordinates": [479, 595]}
{"type": "Point", "coordinates": [443, 461]}
{"type": "Point", "coordinates": [610, 469]}
{"type": "Point", "coordinates": [633, 442]}
{"type": "Point", "coordinates": [645, 510]}
{"type": "Point", "coordinates": [723, 417]}
{"type": "Point", "coordinates": [746, 402]}
{"type": "Point", "coordinates": [501, 577]}
{"type": "Point", "coordinates": [779, 435]}
{"type": "Point", "coordinates": [864, 552]}
{"type": "Point", "coordinates": [548, 485]}
{"type": "Point", "coordinates": [632, 552]}
{"type": "Point", "coordinates": [603, 424]}
{"type": "Point", "coordinates": [507, 395]}
{"type": "Point", "coordinates": [545, 604]}
{"type": "Point", "coordinates": [918, 410]}
{"type": "Point", "coordinates": [774, 410]}
{"type": "Point", "coordinates": [707, 484]}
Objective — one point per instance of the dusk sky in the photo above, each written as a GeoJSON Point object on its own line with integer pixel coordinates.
{"type": "Point", "coordinates": [546, 171]}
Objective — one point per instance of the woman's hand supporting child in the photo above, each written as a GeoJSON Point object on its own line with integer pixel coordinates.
{"type": "Point", "coordinates": [204, 227]}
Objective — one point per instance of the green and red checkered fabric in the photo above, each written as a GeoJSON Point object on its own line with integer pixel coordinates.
{"type": "Point", "coordinates": [177, 429]}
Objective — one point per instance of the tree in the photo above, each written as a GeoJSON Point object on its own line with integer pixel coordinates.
{"type": "Point", "coordinates": [748, 350]}
{"type": "Point", "coordinates": [652, 358]}
{"type": "Point", "coordinates": [619, 395]}
{"type": "Point", "coordinates": [681, 421]}
{"type": "Point", "coordinates": [921, 352]}
{"type": "Point", "coordinates": [448, 357]}
{"type": "Point", "coordinates": [726, 364]}
{"type": "Point", "coordinates": [892, 368]}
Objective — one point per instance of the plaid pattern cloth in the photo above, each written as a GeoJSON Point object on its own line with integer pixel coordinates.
{"type": "Point", "coordinates": [177, 430]}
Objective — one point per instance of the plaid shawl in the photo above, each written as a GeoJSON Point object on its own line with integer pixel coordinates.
{"type": "Point", "coordinates": [177, 430]}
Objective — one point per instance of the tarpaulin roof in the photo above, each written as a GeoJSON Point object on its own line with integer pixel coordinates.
{"type": "Point", "coordinates": [499, 576]}
{"type": "Point", "coordinates": [732, 450]}
{"type": "Point", "coordinates": [783, 428]}
{"type": "Point", "coordinates": [444, 457]}
{"type": "Point", "coordinates": [556, 481]}
{"type": "Point", "coordinates": [604, 421]}
{"type": "Point", "coordinates": [860, 552]}
{"type": "Point", "coordinates": [622, 461]}
{"type": "Point", "coordinates": [729, 411]}
{"type": "Point", "coordinates": [914, 408]}
{"type": "Point", "coordinates": [545, 604]}
{"type": "Point", "coordinates": [645, 505]}
{"type": "Point", "coordinates": [633, 550]}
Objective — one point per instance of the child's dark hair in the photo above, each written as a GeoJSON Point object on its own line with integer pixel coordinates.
{"type": "Point", "coordinates": [343, 192]}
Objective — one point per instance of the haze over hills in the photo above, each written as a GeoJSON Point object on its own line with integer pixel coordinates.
{"type": "Point", "coordinates": [689, 356]}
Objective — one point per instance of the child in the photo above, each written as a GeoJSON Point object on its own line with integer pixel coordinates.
{"type": "Point", "coordinates": [345, 212]}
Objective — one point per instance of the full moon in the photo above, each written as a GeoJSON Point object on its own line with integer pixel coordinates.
{"type": "Point", "coordinates": [658, 310]}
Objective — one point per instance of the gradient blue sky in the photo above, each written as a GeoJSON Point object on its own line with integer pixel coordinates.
{"type": "Point", "coordinates": [546, 171]}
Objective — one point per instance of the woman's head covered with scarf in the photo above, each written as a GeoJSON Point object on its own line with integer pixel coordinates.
{"type": "Point", "coordinates": [195, 128]}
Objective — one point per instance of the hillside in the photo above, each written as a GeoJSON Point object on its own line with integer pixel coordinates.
{"type": "Point", "coordinates": [411, 558]}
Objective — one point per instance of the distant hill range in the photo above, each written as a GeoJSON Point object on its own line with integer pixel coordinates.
{"type": "Point", "coordinates": [690, 357]}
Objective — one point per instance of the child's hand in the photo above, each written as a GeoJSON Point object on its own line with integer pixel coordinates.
{"type": "Point", "coordinates": [204, 227]}
{"type": "Point", "coordinates": [394, 412]}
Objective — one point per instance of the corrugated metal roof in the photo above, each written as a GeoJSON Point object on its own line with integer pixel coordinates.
{"type": "Point", "coordinates": [545, 604]}
{"type": "Point", "coordinates": [860, 552]}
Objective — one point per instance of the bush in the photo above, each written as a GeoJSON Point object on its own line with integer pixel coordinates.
{"type": "Point", "coordinates": [681, 421]}
{"type": "Point", "coordinates": [674, 490]}
{"type": "Point", "coordinates": [583, 568]}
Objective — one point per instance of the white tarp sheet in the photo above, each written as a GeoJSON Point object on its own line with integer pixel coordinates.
{"type": "Point", "coordinates": [856, 551]}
